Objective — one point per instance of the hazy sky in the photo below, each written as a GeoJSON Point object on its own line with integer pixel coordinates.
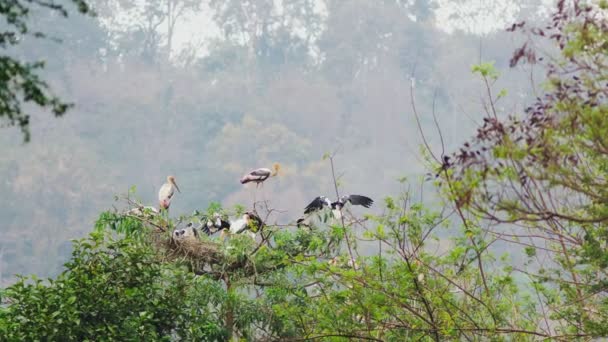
{"type": "Point", "coordinates": [480, 17]}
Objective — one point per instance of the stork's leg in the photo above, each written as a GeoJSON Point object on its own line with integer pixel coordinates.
{"type": "Point", "coordinates": [164, 214]}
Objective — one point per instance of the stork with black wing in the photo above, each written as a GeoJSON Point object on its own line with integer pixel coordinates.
{"type": "Point", "coordinates": [215, 224]}
{"type": "Point", "coordinates": [321, 202]}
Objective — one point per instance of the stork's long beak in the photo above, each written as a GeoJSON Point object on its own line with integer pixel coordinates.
{"type": "Point", "coordinates": [177, 187]}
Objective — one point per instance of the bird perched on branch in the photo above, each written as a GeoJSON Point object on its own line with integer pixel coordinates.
{"type": "Point", "coordinates": [336, 207]}
{"type": "Point", "coordinates": [142, 211]}
{"type": "Point", "coordinates": [165, 194]}
{"type": "Point", "coordinates": [303, 223]}
{"type": "Point", "coordinates": [249, 221]}
{"type": "Point", "coordinates": [258, 176]}
{"type": "Point", "coordinates": [215, 224]}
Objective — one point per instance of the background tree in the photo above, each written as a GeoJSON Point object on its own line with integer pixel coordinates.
{"type": "Point", "coordinates": [540, 178]}
{"type": "Point", "coordinates": [146, 30]}
{"type": "Point", "coordinates": [21, 81]}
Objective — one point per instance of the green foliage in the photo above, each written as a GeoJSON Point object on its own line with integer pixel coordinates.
{"type": "Point", "coordinates": [119, 223]}
{"type": "Point", "coordinates": [486, 70]}
{"type": "Point", "coordinates": [400, 293]}
{"type": "Point", "coordinates": [113, 290]}
{"type": "Point", "coordinates": [546, 171]}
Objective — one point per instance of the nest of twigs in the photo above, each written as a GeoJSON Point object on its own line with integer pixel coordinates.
{"type": "Point", "coordinates": [197, 253]}
{"type": "Point", "coordinates": [207, 257]}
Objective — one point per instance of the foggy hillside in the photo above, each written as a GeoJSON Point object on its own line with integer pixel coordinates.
{"type": "Point", "coordinates": [209, 91]}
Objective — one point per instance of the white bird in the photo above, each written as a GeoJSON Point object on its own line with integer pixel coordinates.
{"type": "Point", "coordinates": [143, 211]}
{"type": "Point", "coordinates": [245, 222]}
{"type": "Point", "coordinates": [249, 221]}
{"type": "Point", "coordinates": [215, 224]}
{"type": "Point", "coordinates": [260, 175]}
{"type": "Point", "coordinates": [166, 192]}
{"type": "Point", "coordinates": [189, 233]}
{"type": "Point", "coordinates": [303, 223]}
{"type": "Point", "coordinates": [336, 207]}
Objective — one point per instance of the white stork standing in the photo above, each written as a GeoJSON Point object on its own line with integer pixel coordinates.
{"type": "Point", "coordinates": [258, 176]}
{"type": "Point", "coordinates": [336, 207]}
{"type": "Point", "coordinates": [166, 193]}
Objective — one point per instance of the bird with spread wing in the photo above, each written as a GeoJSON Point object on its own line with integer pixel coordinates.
{"type": "Point", "coordinates": [336, 207]}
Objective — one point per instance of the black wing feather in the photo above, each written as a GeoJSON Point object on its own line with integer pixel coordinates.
{"type": "Point", "coordinates": [260, 173]}
{"type": "Point", "coordinates": [316, 204]}
{"type": "Point", "coordinates": [360, 200]}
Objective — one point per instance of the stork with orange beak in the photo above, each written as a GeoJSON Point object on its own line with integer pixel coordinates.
{"type": "Point", "coordinates": [258, 176]}
{"type": "Point", "coordinates": [166, 193]}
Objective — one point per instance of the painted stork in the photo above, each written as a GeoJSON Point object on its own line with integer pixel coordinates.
{"type": "Point", "coordinates": [166, 193]}
{"type": "Point", "coordinates": [336, 207]}
{"type": "Point", "coordinates": [249, 221]}
{"type": "Point", "coordinates": [260, 175]}
{"type": "Point", "coordinates": [215, 224]}
{"type": "Point", "coordinates": [303, 223]}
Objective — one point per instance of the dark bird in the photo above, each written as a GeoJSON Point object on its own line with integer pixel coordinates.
{"type": "Point", "coordinates": [302, 223]}
{"type": "Point", "coordinates": [317, 204]}
{"type": "Point", "coordinates": [336, 207]}
{"type": "Point", "coordinates": [260, 175]}
{"type": "Point", "coordinates": [214, 225]}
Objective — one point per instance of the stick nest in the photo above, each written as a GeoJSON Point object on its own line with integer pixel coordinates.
{"type": "Point", "coordinates": [197, 252]}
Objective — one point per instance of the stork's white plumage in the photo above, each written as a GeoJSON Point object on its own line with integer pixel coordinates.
{"type": "Point", "coordinates": [165, 194]}
{"type": "Point", "coordinates": [214, 224]}
{"type": "Point", "coordinates": [248, 222]}
{"type": "Point", "coordinates": [143, 211]}
{"type": "Point", "coordinates": [260, 175]}
{"type": "Point", "coordinates": [238, 226]}
{"type": "Point", "coordinates": [189, 233]}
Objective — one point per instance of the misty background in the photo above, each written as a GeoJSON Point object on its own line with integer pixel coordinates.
{"type": "Point", "coordinates": [207, 90]}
